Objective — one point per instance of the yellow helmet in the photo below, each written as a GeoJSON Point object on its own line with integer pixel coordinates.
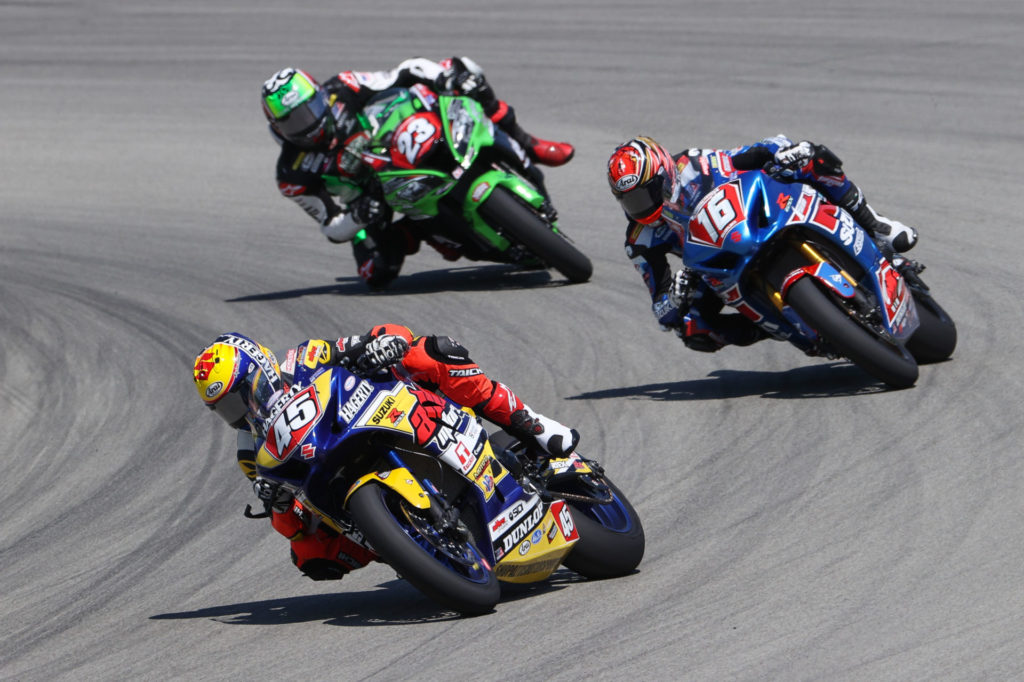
{"type": "Point", "coordinates": [237, 378]}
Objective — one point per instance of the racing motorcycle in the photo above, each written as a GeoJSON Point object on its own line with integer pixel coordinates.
{"type": "Point", "coordinates": [804, 271]}
{"type": "Point", "coordinates": [441, 161]}
{"type": "Point", "coordinates": [414, 478]}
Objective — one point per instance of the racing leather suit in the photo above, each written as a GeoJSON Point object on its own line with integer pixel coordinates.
{"type": "Point", "coordinates": [700, 321]}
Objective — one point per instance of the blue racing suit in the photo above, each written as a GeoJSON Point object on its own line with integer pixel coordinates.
{"type": "Point", "coordinates": [699, 321]}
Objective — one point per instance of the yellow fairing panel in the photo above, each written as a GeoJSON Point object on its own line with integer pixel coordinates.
{"type": "Point", "coordinates": [399, 480]}
{"type": "Point", "coordinates": [389, 410]}
{"type": "Point", "coordinates": [317, 352]}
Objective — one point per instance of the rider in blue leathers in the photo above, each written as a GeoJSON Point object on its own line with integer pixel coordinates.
{"type": "Point", "coordinates": [658, 192]}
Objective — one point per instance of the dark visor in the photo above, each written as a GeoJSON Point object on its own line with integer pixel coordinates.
{"type": "Point", "coordinates": [642, 201]}
{"type": "Point", "coordinates": [305, 118]}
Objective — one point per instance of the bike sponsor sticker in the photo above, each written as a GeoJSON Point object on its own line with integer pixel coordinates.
{"type": "Point", "coordinates": [293, 424]}
{"type": "Point", "coordinates": [521, 529]}
{"type": "Point", "coordinates": [479, 191]}
{"type": "Point", "coordinates": [563, 517]}
{"type": "Point", "coordinates": [894, 292]}
{"type": "Point", "coordinates": [803, 206]}
{"type": "Point", "coordinates": [716, 214]}
{"type": "Point", "coordinates": [542, 567]}
{"type": "Point", "coordinates": [503, 521]}
{"type": "Point", "coordinates": [351, 408]}
{"type": "Point", "coordinates": [414, 139]}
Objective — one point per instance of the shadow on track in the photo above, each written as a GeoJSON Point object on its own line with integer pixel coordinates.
{"type": "Point", "coordinates": [396, 603]}
{"type": "Point", "coordinates": [471, 278]}
{"type": "Point", "coordinates": [834, 380]}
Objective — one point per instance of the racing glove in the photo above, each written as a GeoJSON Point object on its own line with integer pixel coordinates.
{"type": "Point", "coordinates": [794, 156]}
{"type": "Point", "coordinates": [366, 210]}
{"type": "Point", "coordinates": [817, 159]}
{"type": "Point", "coordinates": [274, 495]}
{"type": "Point", "coordinates": [381, 353]}
{"type": "Point", "coordinates": [684, 286]}
{"type": "Point", "coordinates": [467, 78]}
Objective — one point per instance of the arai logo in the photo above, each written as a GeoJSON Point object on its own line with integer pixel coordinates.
{"type": "Point", "coordinates": [214, 388]}
{"type": "Point", "coordinates": [626, 182]}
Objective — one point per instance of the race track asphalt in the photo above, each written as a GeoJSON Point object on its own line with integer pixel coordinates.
{"type": "Point", "coordinates": [802, 521]}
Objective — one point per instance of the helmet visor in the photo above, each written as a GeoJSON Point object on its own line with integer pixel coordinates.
{"type": "Point", "coordinates": [265, 389]}
{"type": "Point", "coordinates": [306, 122]}
{"type": "Point", "coordinates": [643, 202]}
{"type": "Point", "coordinates": [231, 408]}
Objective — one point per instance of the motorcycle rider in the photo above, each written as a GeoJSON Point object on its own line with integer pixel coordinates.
{"type": "Point", "coordinates": [319, 166]}
{"type": "Point", "coordinates": [243, 383]}
{"type": "Point", "coordinates": [659, 191]}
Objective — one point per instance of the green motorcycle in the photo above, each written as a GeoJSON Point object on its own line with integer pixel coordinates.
{"type": "Point", "coordinates": [441, 162]}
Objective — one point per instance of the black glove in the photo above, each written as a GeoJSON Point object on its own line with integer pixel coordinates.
{"type": "Point", "coordinates": [274, 495]}
{"type": "Point", "coordinates": [468, 81]}
{"type": "Point", "coordinates": [366, 210]}
{"type": "Point", "coordinates": [474, 86]}
{"type": "Point", "coordinates": [380, 353]}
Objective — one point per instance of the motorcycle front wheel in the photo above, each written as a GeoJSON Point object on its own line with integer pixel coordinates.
{"type": "Point", "coordinates": [888, 362]}
{"type": "Point", "coordinates": [450, 571]}
{"type": "Point", "coordinates": [504, 212]}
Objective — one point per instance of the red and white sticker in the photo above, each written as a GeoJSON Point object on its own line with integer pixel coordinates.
{"type": "Point", "coordinates": [716, 214]}
{"type": "Point", "coordinates": [293, 424]}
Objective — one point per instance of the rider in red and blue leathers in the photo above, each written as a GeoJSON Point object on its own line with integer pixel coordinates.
{"type": "Point", "coordinates": [658, 192]}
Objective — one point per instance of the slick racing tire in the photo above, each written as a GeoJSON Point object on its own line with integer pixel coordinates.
{"type": "Point", "coordinates": [508, 215]}
{"type": "Point", "coordinates": [611, 541]}
{"type": "Point", "coordinates": [890, 363]}
{"type": "Point", "coordinates": [935, 339]}
{"type": "Point", "coordinates": [450, 572]}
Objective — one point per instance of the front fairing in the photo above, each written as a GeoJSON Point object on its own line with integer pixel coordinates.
{"type": "Point", "coordinates": [324, 408]}
{"type": "Point", "coordinates": [466, 127]}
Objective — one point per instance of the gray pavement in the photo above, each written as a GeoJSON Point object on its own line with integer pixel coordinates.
{"type": "Point", "coordinates": [802, 523]}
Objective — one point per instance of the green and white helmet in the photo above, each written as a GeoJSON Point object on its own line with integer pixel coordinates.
{"type": "Point", "coordinates": [297, 109]}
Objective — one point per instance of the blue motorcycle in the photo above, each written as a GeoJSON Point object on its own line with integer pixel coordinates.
{"type": "Point", "coordinates": [804, 271]}
{"type": "Point", "coordinates": [414, 478]}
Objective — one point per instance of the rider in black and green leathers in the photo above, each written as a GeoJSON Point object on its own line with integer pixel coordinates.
{"type": "Point", "coordinates": [319, 168]}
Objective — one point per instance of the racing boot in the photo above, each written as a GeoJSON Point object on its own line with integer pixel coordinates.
{"type": "Point", "coordinates": [549, 153]}
{"type": "Point", "coordinates": [540, 151]}
{"type": "Point", "coordinates": [892, 236]}
{"type": "Point", "coordinates": [554, 438]}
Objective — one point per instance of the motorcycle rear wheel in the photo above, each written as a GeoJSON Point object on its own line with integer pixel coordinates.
{"type": "Point", "coordinates": [890, 363]}
{"type": "Point", "coordinates": [503, 211]}
{"type": "Point", "coordinates": [611, 542]}
{"type": "Point", "coordinates": [451, 573]}
{"type": "Point", "coordinates": [935, 339]}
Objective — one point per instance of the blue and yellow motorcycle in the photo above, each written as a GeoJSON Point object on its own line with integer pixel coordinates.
{"type": "Point", "coordinates": [450, 509]}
